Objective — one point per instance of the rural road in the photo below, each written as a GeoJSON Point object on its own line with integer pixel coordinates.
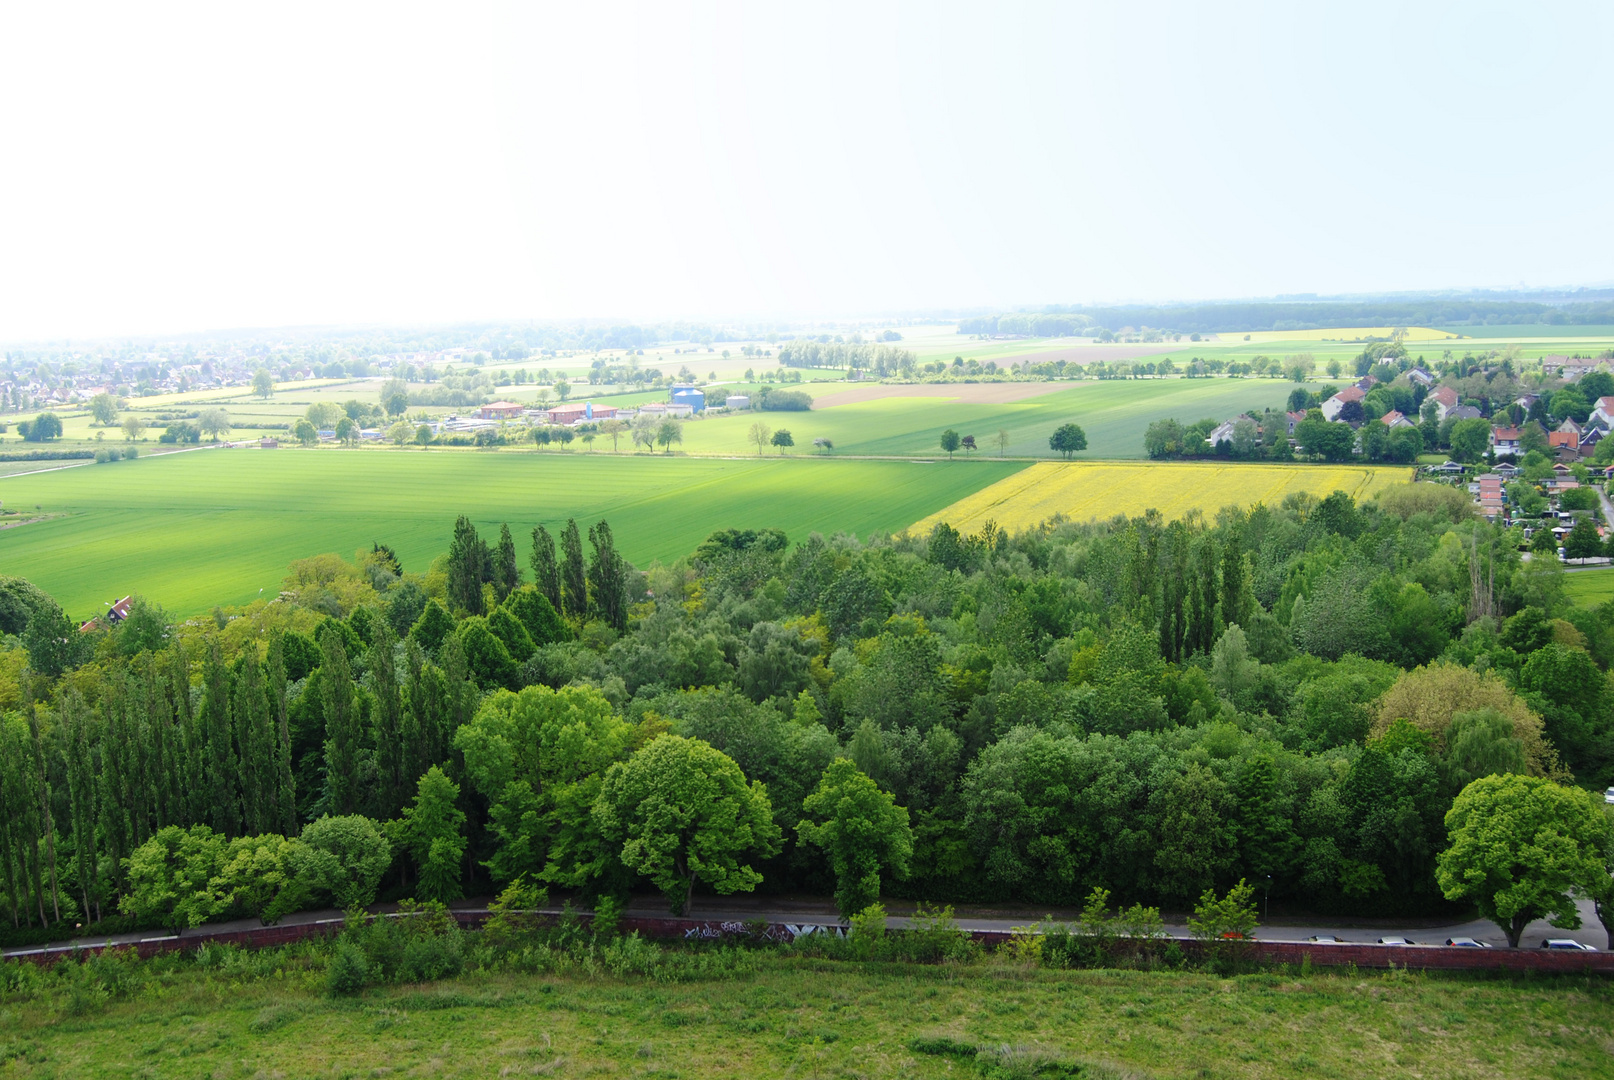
{"type": "Point", "coordinates": [816, 911]}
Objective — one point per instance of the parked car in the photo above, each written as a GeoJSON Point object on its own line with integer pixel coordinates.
{"type": "Point", "coordinates": [1394, 941]}
{"type": "Point", "coordinates": [1466, 943]}
{"type": "Point", "coordinates": [1326, 939]}
{"type": "Point", "coordinates": [1567, 943]}
{"type": "Point", "coordinates": [1608, 795]}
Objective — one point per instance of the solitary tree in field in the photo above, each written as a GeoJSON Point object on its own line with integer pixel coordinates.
{"type": "Point", "coordinates": [347, 432]}
{"type": "Point", "coordinates": [670, 431]}
{"type": "Point", "coordinates": [304, 432]}
{"type": "Point", "coordinates": [823, 444]}
{"type": "Point", "coordinates": [563, 389]}
{"type": "Point", "coordinates": [782, 439]}
{"type": "Point", "coordinates": [104, 407]}
{"type": "Point", "coordinates": [1068, 439]}
{"type": "Point", "coordinates": [969, 444]}
{"type": "Point", "coordinates": [644, 431]}
{"type": "Point", "coordinates": [1002, 441]}
{"type": "Point", "coordinates": [263, 383]}
{"type": "Point", "coordinates": [215, 423]}
{"type": "Point", "coordinates": [423, 435]}
{"type": "Point", "coordinates": [133, 427]}
{"type": "Point", "coordinates": [614, 428]}
{"type": "Point", "coordinates": [1522, 848]}
{"type": "Point", "coordinates": [949, 442]}
{"type": "Point", "coordinates": [760, 435]}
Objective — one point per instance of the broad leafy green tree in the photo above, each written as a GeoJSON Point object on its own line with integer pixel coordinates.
{"type": "Point", "coordinates": [1067, 439]}
{"type": "Point", "coordinates": [539, 757]}
{"type": "Point", "coordinates": [343, 857]}
{"type": "Point", "coordinates": [433, 832]}
{"type": "Point", "coordinates": [104, 407]}
{"type": "Point", "coordinates": [683, 813]}
{"type": "Point", "coordinates": [950, 441]}
{"type": "Point", "coordinates": [862, 830]}
{"type": "Point", "coordinates": [1522, 849]}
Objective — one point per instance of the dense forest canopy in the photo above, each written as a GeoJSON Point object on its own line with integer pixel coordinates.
{"type": "Point", "coordinates": [1291, 694]}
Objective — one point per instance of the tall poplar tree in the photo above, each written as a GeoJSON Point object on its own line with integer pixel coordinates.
{"type": "Point", "coordinates": [545, 570]}
{"type": "Point", "coordinates": [42, 795]}
{"type": "Point", "coordinates": [392, 785]}
{"type": "Point", "coordinates": [80, 769]}
{"type": "Point", "coordinates": [341, 729]}
{"type": "Point", "coordinates": [506, 569]}
{"type": "Point", "coordinates": [274, 677]}
{"type": "Point", "coordinates": [608, 578]}
{"type": "Point", "coordinates": [573, 580]}
{"type": "Point", "coordinates": [467, 567]}
{"type": "Point", "coordinates": [223, 765]}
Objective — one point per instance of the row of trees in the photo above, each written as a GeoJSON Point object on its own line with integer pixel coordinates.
{"type": "Point", "coordinates": [1292, 695]}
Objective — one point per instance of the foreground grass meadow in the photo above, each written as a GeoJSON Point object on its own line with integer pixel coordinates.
{"type": "Point", "coordinates": [801, 1018]}
{"type": "Point", "coordinates": [211, 527]}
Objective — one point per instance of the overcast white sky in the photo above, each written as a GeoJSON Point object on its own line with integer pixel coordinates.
{"type": "Point", "coordinates": [168, 167]}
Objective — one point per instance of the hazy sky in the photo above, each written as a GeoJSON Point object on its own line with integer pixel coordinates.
{"type": "Point", "coordinates": [167, 167]}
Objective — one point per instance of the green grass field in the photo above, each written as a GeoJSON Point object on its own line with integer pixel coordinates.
{"type": "Point", "coordinates": [1590, 587]}
{"type": "Point", "coordinates": [213, 527]}
{"type": "Point", "coordinates": [806, 1019]}
{"type": "Point", "coordinates": [1113, 413]}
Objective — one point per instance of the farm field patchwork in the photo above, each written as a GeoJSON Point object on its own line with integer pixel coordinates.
{"type": "Point", "coordinates": [215, 526]}
{"type": "Point", "coordinates": [1342, 333]}
{"type": "Point", "coordinates": [908, 421]}
{"type": "Point", "coordinates": [1083, 491]}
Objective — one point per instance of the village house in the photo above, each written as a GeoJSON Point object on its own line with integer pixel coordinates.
{"type": "Point", "coordinates": [1334, 405]}
{"type": "Point", "coordinates": [500, 410]}
{"type": "Point", "coordinates": [1445, 399]}
{"type": "Point", "coordinates": [1395, 419]}
{"type": "Point", "coordinates": [1505, 440]}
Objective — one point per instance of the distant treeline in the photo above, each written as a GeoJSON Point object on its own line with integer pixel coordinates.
{"type": "Point", "coordinates": [879, 360]}
{"type": "Point", "coordinates": [1244, 318]}
{"type": "Point", "coordinates": [1027, 324]}
{"type": "Point", "coordinates": [46, 455]}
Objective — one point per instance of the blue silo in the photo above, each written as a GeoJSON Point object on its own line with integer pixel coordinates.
{"type": "Point", "coordinates": [689, 395]}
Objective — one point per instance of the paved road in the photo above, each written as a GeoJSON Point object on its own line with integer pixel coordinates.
{"type": "Point", "coordinates": [813, 910]}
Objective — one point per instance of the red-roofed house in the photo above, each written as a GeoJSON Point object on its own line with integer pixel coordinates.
{"type": "Point", "coordinates": [500, 410]}
{"type": "Point", "coordinates": [1505, 440]}
{"type": "Point", "coordinates": [1394, 419]}
{"type": "Point", "coordinates": [1445, 399]}
{"type": "Point", "coordinates": [1332, 407]}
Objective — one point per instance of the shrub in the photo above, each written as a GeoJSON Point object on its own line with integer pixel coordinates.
{"type": "Point", "coordinates": [349, 970]}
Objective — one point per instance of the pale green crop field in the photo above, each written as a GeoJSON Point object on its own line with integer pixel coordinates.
{"type": "Point", "coordinates": [210, 527]}
{"type": "Point", "coordinates": [1114, 413]}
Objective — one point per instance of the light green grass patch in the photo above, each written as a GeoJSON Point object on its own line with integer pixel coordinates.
{"type": "Point", "coordinates": [215, 526]}
{"type": "Point", "coordinates": [1590, 587]}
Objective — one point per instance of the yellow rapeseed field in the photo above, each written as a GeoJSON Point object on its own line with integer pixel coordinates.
{"type": "Point", "coordinates": [1340, 333]}
{"type": "Point", "coordinates": [1083, 491]}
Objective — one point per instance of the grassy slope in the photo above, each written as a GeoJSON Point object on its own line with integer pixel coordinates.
{"type": "Point", "coordinates": [1113, 413]}
{"type": "Point", "coordinates": [215, 526]}
{"type": "Point", "coordinates": [1590, 587]}
{"type": "Point", "coordinates": [817, 1020]}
